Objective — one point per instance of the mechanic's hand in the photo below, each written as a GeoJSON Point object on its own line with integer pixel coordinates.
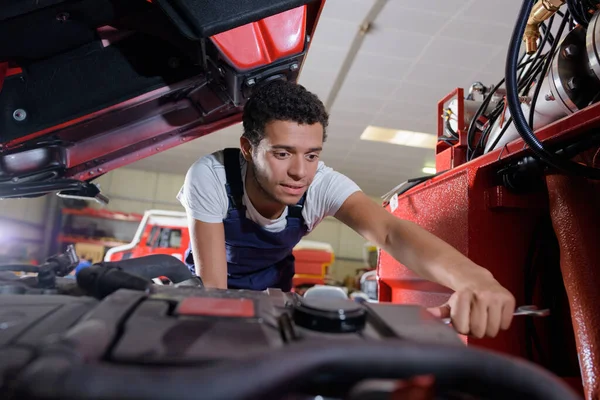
{"type": "Point", "coordinates": [480, 309]}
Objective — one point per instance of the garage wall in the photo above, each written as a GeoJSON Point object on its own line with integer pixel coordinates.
{"type": "Point", "coordinates": [136, 191]}
{"type": "Point", "coordinates": [22, 227]}
{"type": "Point", "coordinates": [133, 190]}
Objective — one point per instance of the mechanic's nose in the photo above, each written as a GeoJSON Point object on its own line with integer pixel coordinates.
{"type": "Point", "coordinates": [297, 169]}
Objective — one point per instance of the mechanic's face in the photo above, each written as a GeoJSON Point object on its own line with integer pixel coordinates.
{"type": "Point", "coordinates": [285, 161]}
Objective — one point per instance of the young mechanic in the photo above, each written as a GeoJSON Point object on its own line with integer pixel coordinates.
{"type": "Point", "coordinates": [247, 208]}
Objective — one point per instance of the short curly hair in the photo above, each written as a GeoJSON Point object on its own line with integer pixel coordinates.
{"type": "Point", "coordinates": [281, 100]}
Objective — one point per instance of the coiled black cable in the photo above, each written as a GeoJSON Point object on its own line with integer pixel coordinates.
{"type": "Point", "coordinates": [547, 63]}
{"type": "Point", "coordinates": [545, 40]}
{"type": "Point", "coordinates": [512, 96]}
{"type": "Point", "coordinates": [525, 79]}
{"type": "Point", "coordinates": [578, 12]}
{"type": "Point", "coordinates": [547, 30]}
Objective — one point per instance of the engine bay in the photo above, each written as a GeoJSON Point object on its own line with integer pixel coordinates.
{"type": "Point", "coordinates": [111, 333]}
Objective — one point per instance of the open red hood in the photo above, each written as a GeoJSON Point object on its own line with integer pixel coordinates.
{"type": "Point", "coordinates": [88, 86]}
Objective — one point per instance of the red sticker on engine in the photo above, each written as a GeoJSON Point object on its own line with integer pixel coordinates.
{"type": "Point", "coordinates": [210, 306]}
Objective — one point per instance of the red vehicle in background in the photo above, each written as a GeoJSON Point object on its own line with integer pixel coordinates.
{"type": "Point", "coordinates": [166, 232]}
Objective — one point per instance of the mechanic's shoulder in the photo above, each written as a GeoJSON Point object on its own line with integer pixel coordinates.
{"type": "Point", "coordinates": [324, 172]}
{"type": "Point", "coordinates": [326, 182]}
{"type": "Point", "coordinates": [322, 176]}
{"type": "Point", "coordinates": [209, 161]}
{"type": "Point", "coordinates": [207, 166]}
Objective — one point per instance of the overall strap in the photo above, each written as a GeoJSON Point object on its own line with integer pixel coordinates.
{"type": "Point", "coordinates": [295, 211]}
{"type": "Point", "coordinates": [233, 173]}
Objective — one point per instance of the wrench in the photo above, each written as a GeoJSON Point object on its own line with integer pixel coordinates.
{"type": "Point", "coordinates": [532, 311]}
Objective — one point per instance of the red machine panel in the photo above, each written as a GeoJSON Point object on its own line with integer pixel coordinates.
{"type": "Point", "coordinates": [263, 42]}
{"type": "Point", "coordinates": [482, 220]}
{"type": "Point", "coordinates": [541, 244]}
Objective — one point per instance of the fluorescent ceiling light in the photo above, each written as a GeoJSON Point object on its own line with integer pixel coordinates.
{"type": "Point", "coordinates": [429, 170]}
{"type": "Point", "coordinates": [402, 138]}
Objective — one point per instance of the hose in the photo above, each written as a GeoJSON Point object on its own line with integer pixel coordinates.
{"type": "Point", "coordinates": [577, 12]}
{"type": "Point", "coordinates": [153, 266]}
{"type": "Point", "coordinates": [100, 281]}
{"type": "Point", "coordinates": [512, 96]}
{"type": "Point", "coordinates": [547, 63]}
{"type": "Point", "coordinates": [473, 124]}
{"type": "Point", "coordinates": [296, 369]}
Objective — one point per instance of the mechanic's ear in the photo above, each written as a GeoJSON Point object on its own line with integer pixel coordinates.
{"type": "Point", "coordinates": [246, 148]}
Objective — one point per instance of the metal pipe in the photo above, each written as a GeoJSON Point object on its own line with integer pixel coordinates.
{"type": "Point", "coordinates": [541, 11]}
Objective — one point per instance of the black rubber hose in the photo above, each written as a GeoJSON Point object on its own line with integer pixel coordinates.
{"type": "Point", "coordinates": [294, 369]}
{"type": "Point", "coordinates": [539, 52]}
{"type": "Point", "coordinates": [547, 63]}
{"type": "Point", "coordinates": [100, 281]}
{"type": "Point", "coordinates": [546, 31]}
{"type": "Point", "coordinates": [484, 105]}
{"type": "Point", "coordinates": [512, 96]}
{"type": "Point", "coordinates": [575, 13]}
{"type": "Point", "coordinates": [153, 266]}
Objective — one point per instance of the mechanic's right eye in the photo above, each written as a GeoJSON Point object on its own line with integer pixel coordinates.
{"type": "Point", "coordinates": [282, 155]}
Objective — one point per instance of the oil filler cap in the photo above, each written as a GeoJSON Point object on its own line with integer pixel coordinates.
{"type": "Point", "coordinates": [330, 315]}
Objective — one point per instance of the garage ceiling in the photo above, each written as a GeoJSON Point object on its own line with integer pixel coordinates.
{"type": "Point", "coordinates": [413, 54]}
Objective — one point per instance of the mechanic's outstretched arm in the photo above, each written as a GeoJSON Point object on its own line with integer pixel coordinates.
{"type": "Point", "coordinates": [208, 249]}
{"type": "Point", "coordinates": [480, 306]}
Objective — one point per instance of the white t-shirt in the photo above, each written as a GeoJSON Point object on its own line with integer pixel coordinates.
{"type": "Point", "coordinates": [204, 196]}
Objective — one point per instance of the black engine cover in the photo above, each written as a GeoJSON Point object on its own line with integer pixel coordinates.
{"type": "Point", "coordinates": [189, 325]}
{"type": "Point", "coordinates": [47, 340]}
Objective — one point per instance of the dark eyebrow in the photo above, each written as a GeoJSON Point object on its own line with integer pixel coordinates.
{"type": "Point", "coordinates": [291, 148]}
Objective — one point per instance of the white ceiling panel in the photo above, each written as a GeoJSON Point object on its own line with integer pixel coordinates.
{"type": "Point", "coordinates": [333, 155]}
{"type": "Point", "coordinates": [390, 42]}
{"type": "Point", "coordinates": [358, 103]}
{"type": "Point", "coordinates": [504, 12]}
{"type": "Point", "coordinates": [419, 92]}
{"type": "Point", "coordinates": [343, 130]}
{"type": "Point", "coordinates": [317, 81]}
{"type": "Point", "coordinates": [413, 55]}
{"type": "Point", "coordinates": [399, 118]}
{"type": "Point", "coordinates": [335, 33]}
{"type": "Point", "coordinates": [409, 109]}
{"type": "Point", "coordinates": [347, 10]}
{"type": "Point", "coordinates": [379, 66]}
{"type": "Point", "coordinates": [338, 148]}
{"type": "Point", "coordinates": [444, 77]}
{"type": "Point", "coordinates": [375, 150]}
{"type": "Point", "coordinates": [353, 117]}
{"type": "Point", "coordinates": [496, 65]}
{"type": "Point", "coordinates": [326, 58]}
{"type": "Point", "coordinates": [397, 121]}
{"type": "Point", "coordinates": [453, 52]}
{"type": "Point", "coordinates": [447, 8]}
{"type": "Point", "coordinates": [356, 86]}
{"type": "Point", "coordinates": [394, 16]}
{"type": "Point", "coordinates": [491, 33]}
